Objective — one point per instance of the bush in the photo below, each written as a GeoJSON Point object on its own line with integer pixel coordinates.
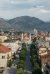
{"type": "Point", "coordinates": [19, 71]}
{"type": "Point", "coordinates": [20, 66]}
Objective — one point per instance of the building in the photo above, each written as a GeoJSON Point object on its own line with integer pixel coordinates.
{"type": "Point", "coordinates": [3, 38]}
{"type": "Point", "coordinates": [47, 38]}
{"type": "Point", "coordinates": [12, 44]}
{"type": "Point", "coordinates": [35, 32]}
{"type": "Point", "coordinates": [5, 56]}
{"type": "Point", "coordinates": [44, 54]}
{"type": "Point", "coordinates": [26, 37]}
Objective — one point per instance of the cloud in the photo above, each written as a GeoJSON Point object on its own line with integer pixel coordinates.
{"type": "Point", "coordinates": [34, 12]}
{"type": "Point", "coordinates": [15, 8]}
{"type": "Point", "coordinates": [42, 14]}
{"type": "Point", "coordinates": [40, 6]}
{"type": "Point", "coordinates": [44, 11]}
{"type": "Point", "coordinates": [19, 1]}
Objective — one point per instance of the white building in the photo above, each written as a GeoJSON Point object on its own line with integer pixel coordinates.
{"type": "Point", "coordinates": [35, 32]}
{"type": "Point", "coordinates": [26, 37]}
{"type": "Point", "coordinates": [47, 38]}
{"type": "Point", "coordinates": [3, 38]}
{"type": "Point", "coordinates": [13, 45]}
{"type": "Point", "coordinates": [5, 55]}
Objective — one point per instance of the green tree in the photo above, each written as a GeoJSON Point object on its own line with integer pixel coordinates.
{"type": "Point", "coordinates": [19, 71]}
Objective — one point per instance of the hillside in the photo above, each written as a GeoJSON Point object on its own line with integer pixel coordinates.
{"type": "Point", "coordinates": [24, 23]}
{"type": "Point", "coordinates": [4, 24]}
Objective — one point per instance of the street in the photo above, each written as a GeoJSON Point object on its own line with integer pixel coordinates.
{"type": "Point", "coordinates": [28, 66]}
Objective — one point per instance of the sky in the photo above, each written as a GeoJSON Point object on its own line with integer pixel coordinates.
{"type": "Point", "coordinates": [15, 8]}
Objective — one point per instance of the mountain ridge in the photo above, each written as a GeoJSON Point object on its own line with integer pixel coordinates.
{"type": "Point", "coordinates": [25, 23]}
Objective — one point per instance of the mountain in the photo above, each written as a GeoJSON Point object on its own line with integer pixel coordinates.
{"type": "Point", "coordinates": [4, 24]}
{"type": "Point", "coordinates": [24, 23]}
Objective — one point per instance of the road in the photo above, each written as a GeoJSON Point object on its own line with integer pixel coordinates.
{"type": "Point", "coordinates": [28, 66]}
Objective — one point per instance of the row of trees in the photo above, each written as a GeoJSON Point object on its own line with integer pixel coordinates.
{"type": "Point", "coordinates": [22, 58]}
{"type": "Point", "coordinates": [35, 61]}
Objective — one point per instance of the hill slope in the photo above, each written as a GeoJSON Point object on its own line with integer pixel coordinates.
{"type": "Point", "coordinates": [26, 23]}
{"type": "Point", "coordinates": [4, 25]}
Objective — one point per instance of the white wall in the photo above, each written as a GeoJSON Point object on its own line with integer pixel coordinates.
{"type": "Point", "coordinates": [47, 38]}
{"type": "Point", "coordinates": [3, 62]}
{"type": "Point", "coordinates": [14, 46]}
{"type": "Point", "coordinates": [2, 38]}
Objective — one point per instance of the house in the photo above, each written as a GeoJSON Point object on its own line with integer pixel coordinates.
{"type": "Point", "coordinates": [44, 54]}
{"type": "Point", "coordinates": [12, 44]}
{"type": "Point", "coordinates": [3, 38]}
{"type": "Point", "coordinates": [47, 38]}
{"type": "Point", "coordinates": [5, 56]}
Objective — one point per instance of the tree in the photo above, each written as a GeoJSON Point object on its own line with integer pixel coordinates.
{"type": "Point", "coordinates": [14, 56]}
{"type": "Point", "coordinates": [22, 58]}
{"type": "Point", "coordinates": [46, 72]}
{"type": "Point", "coordinates": [9, 63]}
{"type": "Point", "coordinates": [20, 66]}
{"type": "Point", "coordinates": [36, 63]}
{"type": "Point", "coordinates": [19, 71]}
{"type": "Point", "coordinates": [36, 69]}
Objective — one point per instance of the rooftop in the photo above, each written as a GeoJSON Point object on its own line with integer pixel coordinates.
{"type": "Point", "coordinates": [4, 49]}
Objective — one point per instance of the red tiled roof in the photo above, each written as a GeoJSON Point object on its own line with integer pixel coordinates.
{"type": "Point", "coordinates": [4, 49]}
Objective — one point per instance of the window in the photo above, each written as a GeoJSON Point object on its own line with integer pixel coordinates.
{"type": "Point", "coordinates": [3, 57]}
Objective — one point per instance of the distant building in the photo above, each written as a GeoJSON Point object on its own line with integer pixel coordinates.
{"type": "Point", "coordinates": [35, 32]}
{"type": "Point", "coordinates": [3, 38]}
{"type": "Point", "coordinates": [26, 37]}
{"type": "Point", "coordinates": [5, 55]}
{"type": "Point", "coordinates": [47, 38]}
{"type": "Point", "coordinates": [44, 54]}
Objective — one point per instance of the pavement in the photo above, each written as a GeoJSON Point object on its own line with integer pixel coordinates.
{"type": "Point", "coordinates": [11, 70]}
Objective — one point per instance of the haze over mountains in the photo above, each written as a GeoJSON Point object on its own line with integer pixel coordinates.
{"type": "Point", "coordinates": [24, 23]}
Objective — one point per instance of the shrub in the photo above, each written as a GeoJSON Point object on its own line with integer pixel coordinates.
{"type": "Point", "coordinates": [19, 71]}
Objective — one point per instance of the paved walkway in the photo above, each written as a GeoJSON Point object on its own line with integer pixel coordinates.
{"type": "Point", "coordinates": [11, 70]}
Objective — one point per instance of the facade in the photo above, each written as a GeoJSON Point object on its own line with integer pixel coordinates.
{"type": "Point", "coordinates": [47, 38]}
{"type": "Point", "coordinates": [26, 37]}
{"type": "Point", "coordinates": [13, 45]}
{"type": "Point", "coordinates": [3, 38]}
{"type": "Point", "coordinates": [44, 54]}
{"type": "Point", "coordinates": [5, 55]}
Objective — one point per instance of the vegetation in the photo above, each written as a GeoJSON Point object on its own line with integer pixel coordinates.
{"type": "Point", "coordinates": [20, 71]}
{"type": "Point", "coordinates": [14, 56]}
{"type": "Point", "coordinates": [9, 63]}
{"type": "Point", "coordinates": [22, 58]}
{"type": "Point", "coordinates": [35, 61]}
